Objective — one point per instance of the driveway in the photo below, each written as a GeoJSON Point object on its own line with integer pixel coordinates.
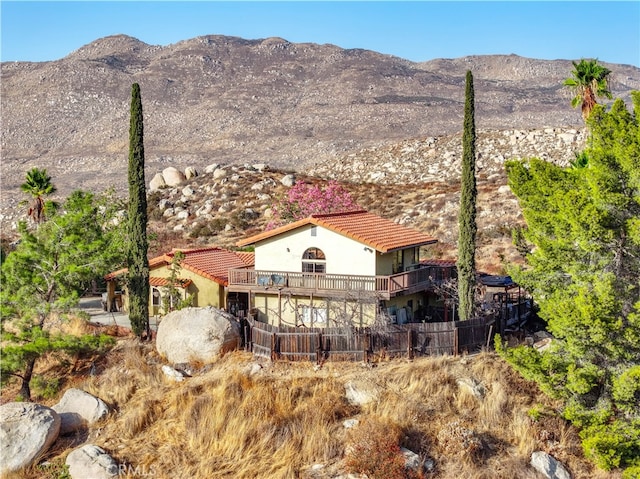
{"type": "Point", "coordinates": [93, 306]}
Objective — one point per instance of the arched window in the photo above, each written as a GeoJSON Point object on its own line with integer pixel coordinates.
{"type": "Point", "coordinates": [313, 261]}
{"type": "Point", "coordinates": [157, 298]}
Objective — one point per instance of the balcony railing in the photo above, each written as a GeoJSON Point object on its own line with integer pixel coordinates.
{"type": "Point", "coordinates": [419, 279]}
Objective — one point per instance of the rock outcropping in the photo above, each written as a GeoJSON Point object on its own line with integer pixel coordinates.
{"type": "Point", "coordinates": [27, 431]}
{"type": "Point", "coordinates": [78, 409]}
{"type": "Point", "coordinates": [197, 334]}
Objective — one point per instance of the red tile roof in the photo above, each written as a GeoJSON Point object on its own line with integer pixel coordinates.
{"type": "Point", "coordinates": [161, 282]}
{"type": "Point", "coordinates": [212, 263]}
{"type": "Point", "coordinates": [378, 233]}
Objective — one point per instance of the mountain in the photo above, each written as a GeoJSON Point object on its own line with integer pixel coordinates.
{"type": "Point", "coordinates": [231, 101]}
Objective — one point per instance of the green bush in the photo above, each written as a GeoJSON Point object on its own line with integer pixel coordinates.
{"type": "Point", "coordinates": [632, 472]}
{"type": "Point", "coordinates": [45, 388]}
{"type": "Point", "coordinates": [626, 390]}
{"type": "Point", "coordinates": [613, 445]}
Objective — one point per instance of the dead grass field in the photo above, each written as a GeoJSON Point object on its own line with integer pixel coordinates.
{"type": "Point", "coordinates": [242, 419]}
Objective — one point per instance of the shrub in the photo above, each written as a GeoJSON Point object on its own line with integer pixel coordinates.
{"type": "Point", "coordinates": [631, 473]}
{"type": "Point", "coordinates": [613, 445]}
{"type": "Point", "coordinates": [458, 440]}
{"type": "Point", "coordinates": [374, 450]}
{"type": "Point", "coordinates": [626, 390]}
{"type": "Point", "coordinates": [45, 388]}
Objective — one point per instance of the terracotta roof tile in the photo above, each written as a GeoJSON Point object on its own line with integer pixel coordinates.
{"type": "Point", "coordinates": [162, 282]}
{"type": "Point", "coordinates": [248, 257]}
{"type": "Point", "coordinates": [379, 233]}
{"type": "Point", "coordinates": [212, 263]}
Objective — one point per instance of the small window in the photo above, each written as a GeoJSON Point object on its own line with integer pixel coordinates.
{"type": "Point", "coordinates": [313, 261]}
{"type": "Point", "coordinates": [314, 230]}
{"type": "Point", "coordinates": [313, 316]}
{"type": "Point", "coordinates": [155, 294]}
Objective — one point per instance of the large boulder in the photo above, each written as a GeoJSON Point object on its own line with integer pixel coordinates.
{"type": "Point", "coordinates": [91, 461]}
{"type": "Point", "coordinates": [172, 176]}
{"type": "Point", "coordinates": [549, 466]}
{"type": "Point", "coordinates": [197, 334]}
{"type": "Point", "coordinates": [78, 408]}
{"type": "Point", "coordinates": [27, 430]}
{"type": "Point", "coordinates": [219, 173]}
{"type": "Point", "coordinates": [190, 172]}
{"type": "Point", "coordinates": [157, 182]}
{"type": "Point", "coordinates": [288, 180]}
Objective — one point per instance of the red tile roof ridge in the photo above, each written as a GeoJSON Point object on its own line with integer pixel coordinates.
{"type": "Point", "coordinates": [195, 250]}
{"type": "Point", "coordinates": [398, 237]}
{"type": "Point", "coordinates": [338, 213]}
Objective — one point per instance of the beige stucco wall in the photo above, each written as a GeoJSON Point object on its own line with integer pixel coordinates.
{"type": "Point", "coordinates": [384, 264]}
{"type": "Point", "coordinates": [343, 255]}
{"type": "Point", "coordinates": [205, 292]}
{"type": "Point", "coordinates": [284, 310]}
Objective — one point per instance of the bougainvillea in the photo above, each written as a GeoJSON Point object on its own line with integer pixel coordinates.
{"type": "Point", "coordinates": [303, 200]}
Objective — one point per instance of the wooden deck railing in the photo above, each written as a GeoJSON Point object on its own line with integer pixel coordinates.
{"type": "Point", "coordinates": [409, 281]}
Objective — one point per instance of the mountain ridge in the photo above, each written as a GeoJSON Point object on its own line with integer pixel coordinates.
{"type": "Point", "coordinates": [230, 100]}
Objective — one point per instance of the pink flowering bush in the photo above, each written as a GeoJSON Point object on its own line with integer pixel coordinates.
{"type": "Point", "coordinates": [303, 200]}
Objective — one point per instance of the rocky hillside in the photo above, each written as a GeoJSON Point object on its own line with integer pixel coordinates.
{"type": "Point", "coordinates": [233, 101]}
{"type": "Point", "coordinates": [415, 183]}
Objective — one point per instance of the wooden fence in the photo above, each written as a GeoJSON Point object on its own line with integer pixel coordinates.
{"type": "Point", "coordinates": [407, 340]}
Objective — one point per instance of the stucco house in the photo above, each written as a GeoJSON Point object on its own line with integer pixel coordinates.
{"type": "Point", "coordinates": [350, 268]}
{"type": "Point", "coordinates": [202, 276]}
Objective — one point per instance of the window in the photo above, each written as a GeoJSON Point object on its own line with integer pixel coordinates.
{"type": "Point", "coordinates": [313, 261]}
{"type": "Point", "coordinates": [314, 230]}
{"type": "Point", "coordinates": [313, 316]}
{"type": "Point", "coordinates": [403, 259]}
{"type": "Point", "coordinates": [397, 261]}
{"type": "Point", "coordinates": [155, 294]}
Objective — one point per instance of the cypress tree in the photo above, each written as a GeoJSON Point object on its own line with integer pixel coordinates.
{"type": "Point", "coordinates": [467, 215]}
{"type": "Point", "coordinates": [137, 261]}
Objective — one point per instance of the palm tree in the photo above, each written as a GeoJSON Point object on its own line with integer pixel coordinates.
{"type": "Point", "coordinates": [589, 80]}
{"type": "Point", "coordinates": [38, 184]}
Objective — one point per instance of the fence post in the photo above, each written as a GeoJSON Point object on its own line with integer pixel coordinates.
{"type": "Point", "coordinates": [367, 346]}
{"type": "Point", "coordinates": [319, 349]}
{"type": "Point", "coordinates": [410, 343]}
{"type": "Point", "coordinates": [274, 341]}
{"type": "Point", "coordinates": [455, 339]}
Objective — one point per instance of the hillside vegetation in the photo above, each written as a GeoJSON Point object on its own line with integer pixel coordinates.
{"type": "Point", "coordinates": [470, 417]}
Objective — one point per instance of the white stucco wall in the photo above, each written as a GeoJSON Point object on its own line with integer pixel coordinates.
{"type": "Point", "coordinates": [343, 255]}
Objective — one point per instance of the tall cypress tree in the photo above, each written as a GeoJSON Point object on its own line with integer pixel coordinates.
{"type": "Point", "coordinates": [467, 215]}
{"type": "Point", "coordinates": [137, 261]}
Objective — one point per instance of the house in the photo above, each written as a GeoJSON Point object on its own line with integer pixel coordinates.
{"type": "Point", "coordinates": [201, 275]}
{"type": "Point", "coordinates": [349, 268]}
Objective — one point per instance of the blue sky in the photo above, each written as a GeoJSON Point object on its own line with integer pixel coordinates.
{"type": "Point", "coordinates": [415, 30]}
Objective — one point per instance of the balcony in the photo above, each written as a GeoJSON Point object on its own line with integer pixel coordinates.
{"type": "Point", "coordinates": [321, 284]}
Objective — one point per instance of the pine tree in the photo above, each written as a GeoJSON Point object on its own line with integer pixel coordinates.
{"type": "Point", "coordinates": [582, 248]}
{"type": "Point", "coordinates": [137, 261]}
{"type": "Point", "coordinates": [47, 271]}
{"type": "Point", "coordinates": [467, 215]}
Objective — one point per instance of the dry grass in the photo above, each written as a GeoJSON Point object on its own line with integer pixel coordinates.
{"type": "Point", "coordinates": [279, 421]}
